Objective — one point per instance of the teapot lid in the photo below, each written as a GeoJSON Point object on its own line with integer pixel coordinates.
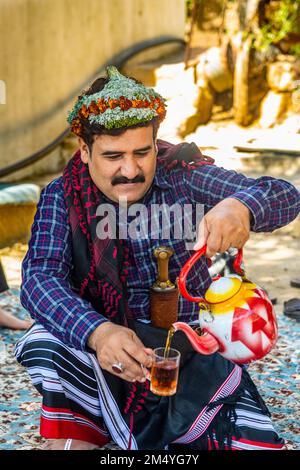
{"type": "Point", "coordinates": [223, 289]}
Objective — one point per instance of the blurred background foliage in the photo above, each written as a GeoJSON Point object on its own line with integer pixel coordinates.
{"type": "Point", "coordinates": [281, 23]}
{"type": "Point", "coordinates": [277, 22]}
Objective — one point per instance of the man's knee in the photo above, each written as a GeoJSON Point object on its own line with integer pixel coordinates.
{"type": "Point", "coordinates": [38, 347]}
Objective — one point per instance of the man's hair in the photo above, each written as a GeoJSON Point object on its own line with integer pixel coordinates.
{"type": "Point", "coordinates": [90, 130]}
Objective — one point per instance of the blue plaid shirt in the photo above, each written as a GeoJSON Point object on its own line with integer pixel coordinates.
{"type": "Point", "coordinates": [47, 292]}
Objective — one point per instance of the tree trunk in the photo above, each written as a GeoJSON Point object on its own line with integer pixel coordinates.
{"type": "Point", "coordinates": [249, 18]}
{"type": "Point", "coordinates": [241, 85]}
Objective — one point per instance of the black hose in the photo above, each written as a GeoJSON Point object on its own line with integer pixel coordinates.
{"type": "Point", "coordinates": [119, 61]}
{"type": "Point", "coordinates": [35, 157]}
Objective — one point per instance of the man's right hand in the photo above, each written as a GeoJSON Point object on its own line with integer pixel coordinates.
{"type": "Point", "coordinates": [115, 344]}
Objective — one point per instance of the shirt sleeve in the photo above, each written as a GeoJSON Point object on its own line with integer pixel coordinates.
{"type": "Point", "coordinates": [46, 291]}
{"type": "Point", "coordinates": [272, 202]}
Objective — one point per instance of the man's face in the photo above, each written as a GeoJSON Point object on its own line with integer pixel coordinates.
{"type": "Point", "coordinates": [124, 165]}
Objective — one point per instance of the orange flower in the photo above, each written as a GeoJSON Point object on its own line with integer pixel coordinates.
{"type": "Point", "coordinates": [152, 103]}
{"type": "Point", "coordinates": [101, 105]}
{"type": "Point", "coordinates": [124, 103]}
{"type": "Point", "coordinates": [112, 103]}
{"type": "Point", "coordinates": [84, 111]}
{"type": "Point", "coordinates": [93, 108]}
{"type": "Point", "coordinates": [161, 111]}
{"type": "Point", "coordinates": [76, 126]}
{"type": "Point", "coordinates": [140, 104]}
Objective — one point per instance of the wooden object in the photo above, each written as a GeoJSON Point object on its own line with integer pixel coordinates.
{"type": "Point", "coordinates": [241, 85]}
{"type": "Point", "coordinates": [163, 293]}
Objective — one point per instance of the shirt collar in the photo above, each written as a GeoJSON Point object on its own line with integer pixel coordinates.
{"type": "Point", "coordinates": [160, 179]}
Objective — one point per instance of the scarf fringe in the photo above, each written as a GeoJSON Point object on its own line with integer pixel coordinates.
{"type": "Point", "coordinates": [223, 427]}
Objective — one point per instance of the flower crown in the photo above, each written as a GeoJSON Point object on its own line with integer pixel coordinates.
{"type": "Point", "coordinates": [121, 103]}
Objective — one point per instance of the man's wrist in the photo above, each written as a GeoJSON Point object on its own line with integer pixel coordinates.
{"type": "Point", "coordinates": [241, 205]}
{"type": "Point", "coordinates": [94, 336]}
{"type": "Point", "coordinates": [258, 207]}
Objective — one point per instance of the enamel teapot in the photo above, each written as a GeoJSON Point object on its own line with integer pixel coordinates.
{"type": "Point", "coordinates": [236, 317]}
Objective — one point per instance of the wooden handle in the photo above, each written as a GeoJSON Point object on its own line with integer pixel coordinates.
{"type": "Point", "coordinates": [163, 254]}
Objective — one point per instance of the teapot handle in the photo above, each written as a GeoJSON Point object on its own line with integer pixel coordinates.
{"type": "Point", "coordinates": [186, 268]}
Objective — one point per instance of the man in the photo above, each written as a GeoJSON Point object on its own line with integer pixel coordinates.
{"type": "Point", "coordinates": [87, 354]}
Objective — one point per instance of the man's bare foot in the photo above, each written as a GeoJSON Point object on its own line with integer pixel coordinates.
{"type": "Point", "coordinates": [59, 444]}
{"type": "Point", "coordinates": [9, 321]}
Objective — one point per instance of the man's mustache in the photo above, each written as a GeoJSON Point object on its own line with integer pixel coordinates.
{"type": "Point", "coordinates": [124, 180]}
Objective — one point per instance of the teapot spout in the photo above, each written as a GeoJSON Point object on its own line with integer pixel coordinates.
{"type": "Point", "coordinates": [205, 344]}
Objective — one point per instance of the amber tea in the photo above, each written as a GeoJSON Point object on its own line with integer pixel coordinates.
{"type": "Point", "coordinates": [168, 342]}
{"type": "Point", "coordinates": [164, 372]}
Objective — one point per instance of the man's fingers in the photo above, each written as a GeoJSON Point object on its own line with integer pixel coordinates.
{"type": "Point", "coordinates": [148, 351]}
{"type": "Point", "coordinates": [214, 242]}
{"type": "Point", "coordinates": [238, 239]}
{"type": "Point", "coordinates": [136, 359]}
{"type": "Point", "coordinates": [202, 234]}
{"type": "Point", "coordinates": [132, 371]}
{"type": "Point", "coordinates": [220, 240]}
{"type": "Point", "coordinates": [243, 240]}
{"type": "Point", "coordinates": [225, 245]}
{"type": "Point", "coordinates": [123, 347]}
{"type": "Point", "coordinates": [136, 350]}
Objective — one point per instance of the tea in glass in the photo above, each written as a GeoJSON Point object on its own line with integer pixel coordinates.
{"type": "Point", "coordinates": [164, 371]}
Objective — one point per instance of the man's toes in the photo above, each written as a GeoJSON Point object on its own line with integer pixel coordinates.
{"type": "Point", "coordinates": [51, 444]}
{"type": "Point", "coordinates": [45, 446]}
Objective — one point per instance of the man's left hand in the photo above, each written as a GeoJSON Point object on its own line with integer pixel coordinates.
{"type": "Point", "coordinates": [225, 225]}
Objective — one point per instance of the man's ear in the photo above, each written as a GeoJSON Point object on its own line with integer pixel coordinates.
{"type": "Point", "coordinates": [84, 150]}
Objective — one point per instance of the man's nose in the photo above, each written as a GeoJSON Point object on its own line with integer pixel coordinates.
{"type": "Point", "coordinates": [130, 168]}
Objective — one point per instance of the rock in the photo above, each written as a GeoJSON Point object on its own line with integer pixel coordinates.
{"type": "Point", "coordinates": [173, 80]}
{"type": "Point", "coordinates": [281, 76]}
{"type": "Point", "coordinates": [184, 98]}
{"type": "Point", "coordinates": [296, 100]}
{"type": "Point", "coordinates": [258, 89]}
{"type": "Point", "coordinates": [216, 65]}
{"type": "Point", "coordinates": [224, 100]}
{"type": "Point", "coordinates": [273, 106]}
{"type": "Point", "coordinates": [203, 105]}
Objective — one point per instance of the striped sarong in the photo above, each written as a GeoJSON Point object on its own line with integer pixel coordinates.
{"type": "Point", "coordinates": [77, 402]}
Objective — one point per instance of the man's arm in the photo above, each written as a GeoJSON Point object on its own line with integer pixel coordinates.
{"type": "Point", "coordinates": [234, 204]}
{"type": "Point", "coordinates": [225, 225]}
{"type": "Point", "coordinates": [46, 292]}
{"type": "Point", "coordinates": [272, 202]}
